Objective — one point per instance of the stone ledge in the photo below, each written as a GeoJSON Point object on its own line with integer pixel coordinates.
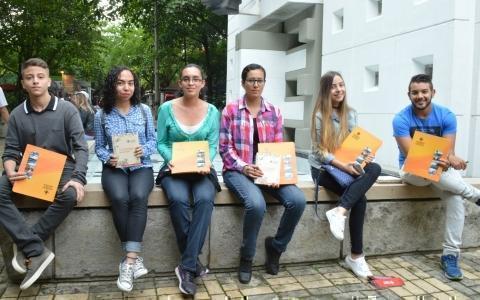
{"type": "Point", "coordinates": [95, 197]}
{"type": "Point", "coordinates": [398, 218]}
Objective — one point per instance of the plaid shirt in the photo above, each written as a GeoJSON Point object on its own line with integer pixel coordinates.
{"type": "Point", "coordinates": [236, 132]}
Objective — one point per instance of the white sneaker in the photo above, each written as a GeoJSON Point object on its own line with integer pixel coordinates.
{"type": "Point", "coordinates": [358, 266]}
{"type": "Point", "coordinates": [125, 278]}
{"type": "Point", "coordinates": [138, 268]}
{"type": "Point", "coordinates": [337, 223]}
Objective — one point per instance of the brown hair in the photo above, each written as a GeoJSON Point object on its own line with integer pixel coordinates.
{"type": "Point", "coordinates": [81, 101]}
{"type": "Point", "coordinates": [330, 139]}
{"type": "Point", "coordinates": [34, 62]}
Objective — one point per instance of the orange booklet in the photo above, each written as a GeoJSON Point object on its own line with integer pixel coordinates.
{"type": "Point", "coordinates": [190, 157]}
{"type": "Point", "coordinates": [358, 144]}
{"type": "Point", "coordinates": [424, 153]}
{"type": "Point", "coordinates": [44, 169]}
{"type": "Point", "coordinates": [278, 162]}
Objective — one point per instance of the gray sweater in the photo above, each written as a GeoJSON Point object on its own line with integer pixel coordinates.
{"type": "Point", "coordinates": [57, 128]}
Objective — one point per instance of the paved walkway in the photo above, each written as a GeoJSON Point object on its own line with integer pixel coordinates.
{"type": "Point", "coordinates": [325, 280]}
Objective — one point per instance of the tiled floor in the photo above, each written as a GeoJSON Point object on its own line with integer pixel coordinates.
{"type": "Point", "coordinates": [325, 280]}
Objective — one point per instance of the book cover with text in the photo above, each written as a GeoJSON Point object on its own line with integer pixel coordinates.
{"type": "Point", "coordinates": [358, 144]}
{"type": "Point", "coordinates": [287, 160]}
{"type": "Point", "coordinates": [124, 146]}
{"type": "Point", "coordinates": [190, 157]}
{"type": "Point", "coordinates": [424, 153]}
{"type": "Point", "coordinates": [44, 169]}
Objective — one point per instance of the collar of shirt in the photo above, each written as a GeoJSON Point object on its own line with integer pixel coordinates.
{"type": "Point", "coordinates": [242, 104]}
{"type": "Point", "coordinates": [52, 105]}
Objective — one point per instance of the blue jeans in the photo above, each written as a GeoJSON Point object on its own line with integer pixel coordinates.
{"type": "Point", "coordinates": [190, 232]}
{"type": "Point", "coordinates": [30, 238]}
{"type": "Point", "coordinates": [128, 193]}
{"type": "Point", "coordinates": [250, 194]}
{"type": "Point", "coordinates": [352, 198]}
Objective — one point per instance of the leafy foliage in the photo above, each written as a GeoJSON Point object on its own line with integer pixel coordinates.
{"type": "Point", "coordinates": [62, 33]}
{"type": "Point", "coordinates": [76, 37]}
{"type": "Point", "coordinates": [187, 33]}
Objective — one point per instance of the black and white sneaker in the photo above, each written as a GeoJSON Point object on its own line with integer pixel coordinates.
{"type": "Point", "coordinates": [35, 266]}
{"type": "Point", "coordinates": [18, 261]}
{"type": "Point", "coordinates": [201, 270]}
{"type": "Point", "coordinates": [186, 283]}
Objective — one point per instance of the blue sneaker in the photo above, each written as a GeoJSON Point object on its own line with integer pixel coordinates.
{"type": "Point", "coordinates": [450, 267]}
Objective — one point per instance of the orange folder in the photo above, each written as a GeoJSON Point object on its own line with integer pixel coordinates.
{"type": "Point", "coordinates": [190, 157]}
{"type": "Point", "coordinates": [288, 163]}
{"type": "Point", "coordinates": [45, 168]}
{"type": "Point", "coordinates": [357, 145]}
{"type": "Point", "coordinates": [424, 153]}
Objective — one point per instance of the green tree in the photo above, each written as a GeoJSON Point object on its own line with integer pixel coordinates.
{"type": "Point", "coordinates": [187, 32]}
{"type": "Point", "coordinates": [129, 46]}
{"type": "Point", "coordinates": [62, 33]}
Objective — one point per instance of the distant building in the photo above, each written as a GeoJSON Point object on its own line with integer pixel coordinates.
{"type": "Point", "coordinates": [377, 45]}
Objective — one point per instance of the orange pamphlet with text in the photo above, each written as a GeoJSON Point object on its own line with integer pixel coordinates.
{"type": "Point", "coordinates": [424, 153]}
{"type": "Point", "coordinates": [190, 157]}
{"type": "Point", "coordinates": [283, 154]}
{"type": "Point", "coordinates": [358, 145]}
{"type": "Point", "coordinates": [44, 169]}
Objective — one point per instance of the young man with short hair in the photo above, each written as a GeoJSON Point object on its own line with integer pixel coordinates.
{"type": "Point", "coordinates": [428, 117]}
{"type": "Point", "coordinates": [48, 122]}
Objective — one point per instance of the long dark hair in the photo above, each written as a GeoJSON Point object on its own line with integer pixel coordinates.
{"type": "Point", "coordinates": [110, 88]}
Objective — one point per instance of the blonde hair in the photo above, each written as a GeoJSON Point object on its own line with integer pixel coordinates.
{"type": "Point", "coordinates": [80, 101]}
{"type": "Point", "coordinates": [330, 138]}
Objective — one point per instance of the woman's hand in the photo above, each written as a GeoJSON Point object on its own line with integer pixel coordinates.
{"type": "Point", "coordinates": [206, 172]}
{"type": "Point", "coordinates": [350, 169]}
{"type": "Point", "coordinates": [274, 185]}
{"type": "Point", "coordinates": [138, 151]}
{"type": "Point", "coordinates": [113, 160]}
{"type": "Point", "coordinates": [252, 171]}
{"type": "Point", "coordinates": [171, 165]}
{"type": "Point", "coordinates": [369, 158]}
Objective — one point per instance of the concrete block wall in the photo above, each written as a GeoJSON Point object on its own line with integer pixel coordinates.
{"type": "Point", "coordinates": [399, 218]}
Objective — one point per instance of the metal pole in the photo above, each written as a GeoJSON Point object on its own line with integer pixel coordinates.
{"type": "Point", "coordinates": [155, 64]}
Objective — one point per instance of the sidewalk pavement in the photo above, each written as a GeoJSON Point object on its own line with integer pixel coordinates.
{"type": "Point", "coordinates": [325, 280]}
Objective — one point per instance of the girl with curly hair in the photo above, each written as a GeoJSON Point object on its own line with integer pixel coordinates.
{"type": "Point", "coordinates": [127, 188]}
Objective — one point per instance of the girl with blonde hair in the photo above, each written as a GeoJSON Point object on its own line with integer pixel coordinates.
{"type": "Point", "coordinates": [332, 121]}
{"type": "Point", "coordinates": [87, 114]}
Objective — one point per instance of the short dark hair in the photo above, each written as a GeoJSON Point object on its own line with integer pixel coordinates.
{"type": "Point", "coordinates": [251, 67]}
{"type": "Point", "coordinates": [421, 78]}
{"type": "Point", "coordinates": [110, 88]}
{"type": "Point", "coordinates": [34, 62]}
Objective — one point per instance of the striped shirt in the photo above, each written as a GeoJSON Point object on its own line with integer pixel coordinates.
{"type": "Point", "coordinates": [236, 132]}
{"type": "Point", "coordinates": [117, 123]}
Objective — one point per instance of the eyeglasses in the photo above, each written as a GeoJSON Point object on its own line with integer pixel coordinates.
{"type": "Point", "coordinates": [253, 81]}
{"type": "Point", "coordinates": [195, 80]}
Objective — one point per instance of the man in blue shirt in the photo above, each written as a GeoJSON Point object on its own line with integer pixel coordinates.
{"type": "Point", "coordinates": [425, 116]}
